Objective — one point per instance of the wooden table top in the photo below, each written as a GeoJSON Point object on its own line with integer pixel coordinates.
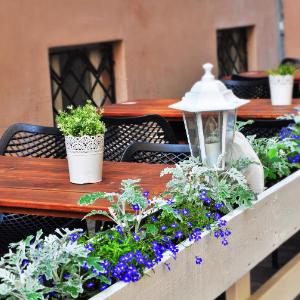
{"type": "Point", "coordinates": [41, 186]}
{"type": "Point", "coordinates": [265, 74]}
{"type": "Point", "coordinates": [255, 109]}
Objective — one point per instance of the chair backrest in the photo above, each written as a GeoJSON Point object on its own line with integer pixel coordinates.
{"type": "Point", "coordinates": [249, 89]}
{"type": "Point", "coordinates": [291, 60]}
{"type": "Point", "coordinates": [156, 153]}
{"type": "Point", "coordinates": [247, 78]}
{"type": "Point", "coordinates": [121, 132]}
{"type": "Point", "coordinates": [265, 128]}
{"type": "Point", "coordinates": [31, 140]}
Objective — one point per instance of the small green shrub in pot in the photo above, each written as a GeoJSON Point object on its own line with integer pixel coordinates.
{"type": "Point", "coordinates": [84, 137]}
{"type": "Point", "coordinates": [281, 84]}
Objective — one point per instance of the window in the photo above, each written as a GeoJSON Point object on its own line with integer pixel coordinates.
{"type": "Point", "coordinates": [232, 50]}
{"type": "Point", "coordinates": [80, 73]}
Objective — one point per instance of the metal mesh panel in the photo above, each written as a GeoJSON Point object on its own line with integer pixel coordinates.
{"type": "Point", "coordinates": [232, 51]}
{"type": "Point", "coordinates": [123, 132]}
{"type": "Point", "coordinates": [265, 128]}
{"type": "Point", "coordinates": [81, 73]}
{"type": "Point", "coordinates": [252, 89]}
{"type": "Point", "coordinates": [14, 227]}
{"type": "Point", "coordinates": [36, 145]}
{"type": "Point", "coordinates": [156, 153]}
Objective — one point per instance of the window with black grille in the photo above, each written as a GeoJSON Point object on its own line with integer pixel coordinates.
{"type": "Point", "coordinates": [232, 50]}
{"type": "Point", "coordinates": [80, 73]}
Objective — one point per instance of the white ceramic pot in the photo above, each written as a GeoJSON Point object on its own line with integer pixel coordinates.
{"type": "Point", "coordinates": [281, 87]}
{"type": "Point", "coordinates": [85, 158]}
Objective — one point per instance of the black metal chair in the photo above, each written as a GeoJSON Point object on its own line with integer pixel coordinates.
{"type": "Point", "coordinates": [156, 153]}
{"type": "Point", "coordinates": [121, 132]}
{"type": "Point", "coordinates": [31, 140]}
{"type": "Point", "coordinates": [34, 141]}
{"type": "Point", "coordinates": [265, 128]}
{"type": "Point", "coordinates": [249, 89]}
{"type": "Point", "coordinates": [292, 61]}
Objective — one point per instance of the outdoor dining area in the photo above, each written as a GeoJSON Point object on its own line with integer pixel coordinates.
{"type": "Point", "coordinates": [146, 158]}
{"type": "Point", "coordinates": [138, 139]}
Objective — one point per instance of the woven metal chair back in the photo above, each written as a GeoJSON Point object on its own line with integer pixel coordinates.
{"type": "Point", "coordinates": [35, 141]}
{"type": "Point", "coordinates": [291, 60]}
{"type": "Point", "coordinates": [156, 153]}
{"type": "Point", "coordinates": [265, 128]}
{"type": "Point", "coordinates": [249, 89]}
{"type": "Point", "coordinates": [121, 132]}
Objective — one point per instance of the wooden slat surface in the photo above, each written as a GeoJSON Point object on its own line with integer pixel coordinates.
{"type": "Point", "coordinates": [255, 109]}
{"type": "Point", "coordinates": [265, 74]}
{"type": "Point", "coordinates": [41, 186]}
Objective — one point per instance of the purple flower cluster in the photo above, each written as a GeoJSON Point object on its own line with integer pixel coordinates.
{"type": "Point", "coordinates": [295, 159]}
{"type": "Point", "coordinates": [222, 232]}
{"type": "Point", "coordinates": [203, 197]}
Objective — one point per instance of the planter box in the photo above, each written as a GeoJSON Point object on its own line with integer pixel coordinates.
{"type": "Point", "coordinates": [256, 232]}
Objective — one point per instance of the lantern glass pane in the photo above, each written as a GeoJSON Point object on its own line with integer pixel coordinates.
{"type": "Point", "coordinates": [190, 122]}
{"type": "Point", "coordinates": [230, 129]}
{"type": "Point", "coordinates": [212, 130]}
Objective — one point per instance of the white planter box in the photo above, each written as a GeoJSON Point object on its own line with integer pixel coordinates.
{"type": "Point", "coordinates": [256, 232]}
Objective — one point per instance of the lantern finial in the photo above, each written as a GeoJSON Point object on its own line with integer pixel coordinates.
{"type": "Point", "coordinates": [207, 72]}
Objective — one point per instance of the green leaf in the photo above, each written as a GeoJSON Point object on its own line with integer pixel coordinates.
{"type": "Point", "coordinates": [72, 290]}
{"type": "Point", "coordinates": [95, 262]}
{"type": "Point", "coordinates": [272, 153]}
{"type": "Point", "coordinates": [151, 228]}
{"type": "Point", "coordinates": [96, 212]}
{"type": "Point", "coordinates": [34, 296]}
{"type": "Point", "coordinates": [91, 198]}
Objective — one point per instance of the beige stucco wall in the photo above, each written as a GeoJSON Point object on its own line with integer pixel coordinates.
{"type": "Point", "coordinates": [291, 9]}
{"type": "Point", "coordinates": [164, 43]}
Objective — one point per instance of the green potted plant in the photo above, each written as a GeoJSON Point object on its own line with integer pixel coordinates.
{"type": "Point", "coordinates": [281, 84]}
{"type": "Point", "coordinates": [84, 138]}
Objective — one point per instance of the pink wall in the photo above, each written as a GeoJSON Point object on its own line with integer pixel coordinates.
{"type": "Point", "coordinates": [164, 43]}
{"type": "Point", "coordinates": [291, 11]}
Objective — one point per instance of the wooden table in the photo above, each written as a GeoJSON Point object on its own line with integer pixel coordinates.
{"type": "Point", "coordinates": [41, 186]}
{"type": "Point", "coordinates": [255, 109]}
{"type": "Point", "coordinates": [265, 74]}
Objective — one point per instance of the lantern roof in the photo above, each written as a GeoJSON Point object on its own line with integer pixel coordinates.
{"type": "Point", "coordinates": [208, 94]}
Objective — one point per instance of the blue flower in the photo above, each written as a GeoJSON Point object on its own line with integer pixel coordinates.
{"type": "Point", "coordinates": [189, 224]}
{"type": "Point", "coordinates": [170, 201]}
{"type": "Point", "coordinates": [208, 214]}
{"type": "Point", "coordinates": [90, 284]}
{"type": "Point", "coordinates": [146, 194]}
{"type": "Point", "coordinates": [227, 232]}
{"type": "Point", "coordinates": [73, 237]}
{"type": "Point", "coordinates": [135, 207]}
{"type": "Point", "coordinates": [185, 212]}
{"type": "Point", "coordinates": [103, 287]}
{"type": "Point", "coordinates": [154, 219]}
{"type": "Point", "coordinates": [224, 242]}
{"type": "Point", "coordinates": [222, 223]}
{"type": "Point", "coordinates": [217, 216]}
{"type": "Point", "coordinates": [67, 276]}
{"type": "Point", "coordinates": [89, 247]}
{"type": "Point", "coordinates": [163, 227]}
{"type": "Point", "coordinates": [216, 234]}
{"type": "Point", "coordinates": [135, 237]}
{"type": "Point", "coordinates": [119, 229]}
{"type": "Point", "coordinates": [174, 225]}
{"type": "Point", "coordinates": [179, 234]}
{"type": "Point", "coordinates": [219, 205]}
{"type": "Point", "coordinates": [25, 262]}
{"type": "Point", "coordinates": [105, 263]}
{"type": "Point", "coordinates": [85, 266]}
{"type": "Point", "coordinates": [198, 260]}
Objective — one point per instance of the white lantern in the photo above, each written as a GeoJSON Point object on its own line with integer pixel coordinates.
{"type": "Point", "coordinates": [209, 113]}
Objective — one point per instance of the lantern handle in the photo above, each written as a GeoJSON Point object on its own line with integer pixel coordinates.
{"type": "Point", "coordinates": [207, 72]}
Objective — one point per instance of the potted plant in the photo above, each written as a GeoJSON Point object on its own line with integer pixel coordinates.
{"type": "Point", "coordinates": [281, 84]}
{"type": "Point", "coordinates": [84, 138]}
